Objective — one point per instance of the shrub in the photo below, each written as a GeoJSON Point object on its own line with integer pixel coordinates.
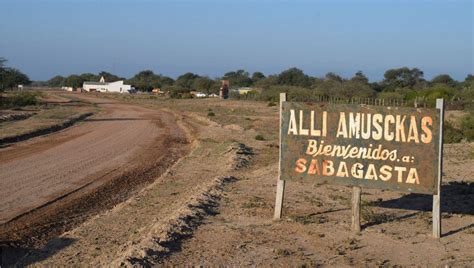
{"type": "Point", "coordinates": [467, 127]}
{"type": "Point", "coordinates": [451, 134]}
{"type": "Point", "coordinates": [211, 114]}
{"type": "Point", "coordinates": [259, 137]}
{"type": "Point", "coordinates": [271, 104]}
{"type": "Point", "coordinates": [464, 132]}
{"type": "Point", "coordinates": [20, 99]}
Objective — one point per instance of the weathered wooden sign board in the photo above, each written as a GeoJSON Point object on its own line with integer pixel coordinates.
{"type": "Point", "coordinates": [370, 146]}
{"type": "Point", "coordinates": [394, 148]}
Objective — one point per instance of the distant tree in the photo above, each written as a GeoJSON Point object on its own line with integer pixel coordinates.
{"type": "Point", "coordinates": [402, 77]}
{"type": "Point", "coordinates": [294, 77]}
{"type": "Point", "coordinates": [469, 78]}
{"type": "Point", "coordinates": [11, 77]}
{"type": "Point", "coordinates": [57, 81]}
{"type": "Point", "coordinates": [74, 81]}
{"type": "Point", "coordinates": [203, 84]}
{"type": "Point", "coordinates": [239, 78]}
{"type": "Point", "coordinates": [109, 77]}
{"type": "Point", "coordinates": [443, 79]}
{"type": "Point", "coordinates": [145, 80]}
{"type": "Point", "coordinates": [360, 77]}
{"type": "Point", "coordinates": [3, 61]}
{"type": "Point", "coordinates": [266, 82]}
{"type": "Point", "coordinates": [355, 88]}
{"type": "Point", "coordinates": [257, 76]}
{"type": "Point", "coordinates": [90, 77]}
{"type": "Point", "coordinates": [166, 81]}
{"type": "Point", "coordinates": [186, 81]}
{"type": "Point", "coordinates": [334, 77]}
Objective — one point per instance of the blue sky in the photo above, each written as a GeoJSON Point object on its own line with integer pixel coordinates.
{"type": "Point", "coordinates": [44, 38]}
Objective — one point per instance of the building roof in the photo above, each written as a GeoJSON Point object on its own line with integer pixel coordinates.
{"type": "Point", "coordinates": [95, 83]}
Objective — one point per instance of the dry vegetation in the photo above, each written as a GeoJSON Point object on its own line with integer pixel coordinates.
{"type": "Point", "coordinates": [191, 215]}
{"type": "Point", "coordinates": [43, 112]}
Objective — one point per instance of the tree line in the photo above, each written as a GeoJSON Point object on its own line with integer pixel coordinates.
{"type": "Point", "coordinates": [398, 83]}
{"type": "Point", "coordinates": [11, 77]}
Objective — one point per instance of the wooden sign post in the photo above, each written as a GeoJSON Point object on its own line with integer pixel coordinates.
{"type": "Point", "coordinates": [356, 193]}
{"type": "Point", "coordinates": [437, 196]}
{"type": "Point", "coordinates": [392, 148]}
{"type": "Point", "coordinates": [280, 183]}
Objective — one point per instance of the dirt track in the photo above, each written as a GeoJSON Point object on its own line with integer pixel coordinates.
{"type": "Point", "coordinates": [39, 178]}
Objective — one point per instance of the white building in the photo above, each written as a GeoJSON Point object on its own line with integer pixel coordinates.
{"type": "Point", "coordinates": [200, 95]}
{"type": "Point", "coordinates": [102, 86]}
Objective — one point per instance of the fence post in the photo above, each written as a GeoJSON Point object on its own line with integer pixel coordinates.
{"type": "Point", "coordinates": [356, 191]}
{"type": "Point", "coordinates": [437, 196]}
{"type": "Point", "coordinates": [280, 193]}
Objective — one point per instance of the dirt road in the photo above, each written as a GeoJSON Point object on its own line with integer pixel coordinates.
{"type": "Point", "coordinates": [112, 144]}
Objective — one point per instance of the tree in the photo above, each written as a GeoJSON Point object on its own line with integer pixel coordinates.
{"type": "Point", "coordinates": [11, 77]}
{"type": "Point", "coordinates": [203, 84]}
{"type": "Point", "coordinates": [294, 77]}
{"type": "Point", "coordinates": [360, 77]}
{"type": "Point", "coordinates": [333, 77]}
{"type": "Point", "coordinates": [257, 76]}
{"type": "Point", "coordinates": [3, 61]}
{"type": "Point", "coordinates": [109, 77]}
{"type": "Point", "coordinates": [57, 81]}
{"type": "Point", "coordinates": [354, 88]}
{"type": "Point", "coordinates": [402, 77]}
{"type": "Point", "coordinates": [267, 82]}
{"type": "Point", "coordinates": [74, 81]}
{"type": "Point", "coordinates": [166, 81]}
{"type": "Point", "coordinates": [186, 81]}
{"type": "Point", "coordinates": [443, 79]}
{"type": "Point", "coordinates": [239, 78]}
{"type": "Point", "coordinates": [90, 77]}
{"type": "Point", "coordinates": [469, 78]}
{"type": "Point", "coordinates": [145, 80]}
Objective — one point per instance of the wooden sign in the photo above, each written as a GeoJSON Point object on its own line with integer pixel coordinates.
{"type": "Point", "coordinates": [394, 148]}
{"type": "Point", "coordinates": [360, 145]}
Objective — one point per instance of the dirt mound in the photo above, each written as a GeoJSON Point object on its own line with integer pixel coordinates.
{"type": "Point", "coordinates": [242, 155]}
{"type": "Point", "coordinates": [178, 226]}
{"type": "Point", "coordinates": [44, 131]}
{"type": "Point", "coordinates": [15, 116]}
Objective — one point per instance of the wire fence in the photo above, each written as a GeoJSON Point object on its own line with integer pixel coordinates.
{"type": "Point", "coordinates": [417, 102]}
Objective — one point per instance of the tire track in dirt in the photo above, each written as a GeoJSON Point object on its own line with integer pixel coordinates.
{"type": "Point", "coordinates": [108, 158]}
{"type": "Point", "coordinates": [170, 208]}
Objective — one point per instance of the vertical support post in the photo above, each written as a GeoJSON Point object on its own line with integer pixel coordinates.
{"type": "Point", "coordinates": [280, 183]}
{"type": "Point", "coordinates": [356, 191]}
{"type": "Point", "coordinates": [437, 196]}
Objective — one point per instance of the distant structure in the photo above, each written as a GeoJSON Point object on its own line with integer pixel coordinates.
{"type": "Point", "coordinates": [102, 86]}
{"type": "Point", "coordinates": [67, 88]}
{"type": "Point", "coordinates": [224, 92]}
{"type": "Point", "coordinates": [243, 90]}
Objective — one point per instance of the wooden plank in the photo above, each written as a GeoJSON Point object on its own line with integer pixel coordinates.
{"type": "Point", "coordinates": [280, 183]}
{"type": "Point", "coordinates": [437, 197]}
{"type": "Point", "coordinates": [356, 191]}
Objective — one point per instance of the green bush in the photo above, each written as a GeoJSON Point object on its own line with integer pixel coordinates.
{"type": "Point", "coordinates": [271, 104]}
{"type": "Point", "coordinates": [467, 127]}
{"type": "Point", "coordinates": [451, 134]}
{"type": "Point", "coordinates": [211, 114]}
{"type": "Point", "coordinates": [259, 137]}
{"type": "Point", "coordinates": [19, 99]}
{"type": "Point", "coordinates": [464, 132]}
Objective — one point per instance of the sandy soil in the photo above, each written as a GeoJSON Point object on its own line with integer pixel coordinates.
{"type": "Point", "coordinates": [215, 207]}
{"type": "Point", "coordinates": [52, 183]}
